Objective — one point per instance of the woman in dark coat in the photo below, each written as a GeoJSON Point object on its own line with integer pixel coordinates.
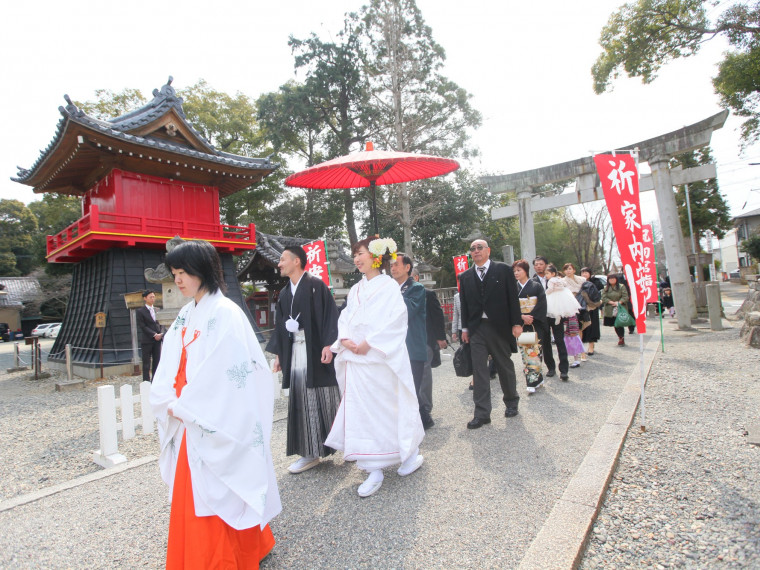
{"type": "Point", "coordinates": [613, 295]}
{"type": "Point", "coordinates": [592, 333]}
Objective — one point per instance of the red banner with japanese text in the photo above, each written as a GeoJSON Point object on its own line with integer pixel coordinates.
{"type": "Point", "coordinates": [316, 260]}
{"type": "Point", "coordinates": [461, 263]}
{"type": "Point", "coordinates": [649, 277]}
{"type": "Point", "coordinates": [620, 183]}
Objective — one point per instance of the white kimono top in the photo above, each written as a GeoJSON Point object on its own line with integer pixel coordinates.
{"type": "Point", "coordinates": [226, 412]}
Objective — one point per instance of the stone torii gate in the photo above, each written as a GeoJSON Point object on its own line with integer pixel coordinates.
{"type": "Point", "coordinates": [656, 152]}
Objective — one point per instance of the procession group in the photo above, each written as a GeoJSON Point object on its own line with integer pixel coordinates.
{"type": "Point", "coordinates": [359, 378]}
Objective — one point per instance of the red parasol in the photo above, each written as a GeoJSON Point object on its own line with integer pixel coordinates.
{"type": "Point", "coordinates": [370, 168]}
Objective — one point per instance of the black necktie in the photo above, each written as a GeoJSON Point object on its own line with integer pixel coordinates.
{"type": "Point", "coordinates": [482, 272]}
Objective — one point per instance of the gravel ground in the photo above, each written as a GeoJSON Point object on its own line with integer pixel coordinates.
{"type": "Point", "coordinates": [478, 501]}
{"type": "Point", "coordinates": [686, 493]}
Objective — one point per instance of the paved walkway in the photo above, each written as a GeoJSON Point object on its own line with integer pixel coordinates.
{"type": "Point", "coordinates": [519, 490]}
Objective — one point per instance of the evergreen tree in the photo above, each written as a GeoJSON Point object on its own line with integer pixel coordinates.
{"type": "Point", "coordinates": [425, 111]}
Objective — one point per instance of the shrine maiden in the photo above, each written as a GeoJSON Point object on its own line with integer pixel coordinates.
{"type": "Point", "coordinates": [378, 422]}
{"type": "Point", "coordinates": [213, 398]}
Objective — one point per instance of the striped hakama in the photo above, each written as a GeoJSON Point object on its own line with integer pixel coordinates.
{"type": "Point", "coordinates": [311, 411]}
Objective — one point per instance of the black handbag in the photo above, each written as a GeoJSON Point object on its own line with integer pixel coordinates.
{"type": "Point", "coordinates": [463, 361]}
{"type": "Point", "coordinates": [435, 361]}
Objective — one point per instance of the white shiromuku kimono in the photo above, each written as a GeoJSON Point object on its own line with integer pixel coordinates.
{"type": "Point", "coordinates": [378, 422]}
{"type": "Point", "coordinates": [226, 410]}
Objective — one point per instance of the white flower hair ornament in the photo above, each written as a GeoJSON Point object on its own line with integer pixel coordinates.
{"type": "Point", "coordinates": [379, 247]}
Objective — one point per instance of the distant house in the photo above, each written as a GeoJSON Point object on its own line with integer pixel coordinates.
{"type": "Point", "coordinates": [15, 294]}
{"type": "Point", "coordinates": [747, 225]}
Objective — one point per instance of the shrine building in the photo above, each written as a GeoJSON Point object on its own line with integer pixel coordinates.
{"type": "Point", "coordinates": [143, 178]}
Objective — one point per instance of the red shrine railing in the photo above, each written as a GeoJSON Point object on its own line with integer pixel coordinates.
{"type": "Point", "coordinates": [98, 231]}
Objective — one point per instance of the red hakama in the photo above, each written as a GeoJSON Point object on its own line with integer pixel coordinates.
{"type": "Point", "coordinates": [206, 542]}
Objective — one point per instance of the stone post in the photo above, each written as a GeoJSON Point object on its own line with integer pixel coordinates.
{"type": "Point", "coordinates": [714, 306]}
{"type": "Point", "coordinates": [527, 235]}
{"type": "Point", "coordinates": [675, 253]}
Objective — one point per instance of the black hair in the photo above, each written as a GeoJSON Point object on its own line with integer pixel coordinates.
{"type": "Point", "coordinates": [299, 252]}
{"type": "Point", "coordinates": [199, 259]}
{"type": "Point", "coordinates": [406, 260]}
{"type": "Point", "coordinates": [540, 258]}
{"type": "Point", "coordinates": [551, 269]}
{"type": "Point", "coordinates": [617, 281]}
{"type": "Point", "coordinates": [147, 292]}
{"type": "Point", "coordinates": [587, 270]}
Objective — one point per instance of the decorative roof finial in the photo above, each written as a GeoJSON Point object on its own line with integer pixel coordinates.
{"type": "Point", "coordinates": [72, 109]}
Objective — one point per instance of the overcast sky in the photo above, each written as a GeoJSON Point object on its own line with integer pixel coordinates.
{"type": "Point", "coordinates": [527, 66]}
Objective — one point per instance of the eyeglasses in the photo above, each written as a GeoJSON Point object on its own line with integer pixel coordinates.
{"type": "Point", "coordinates": [477, 247]}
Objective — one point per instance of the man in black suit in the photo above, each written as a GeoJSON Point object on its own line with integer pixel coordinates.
{"type": "Point", "coordinates": [491, 323]}
{"type": "Point", "coordinates": [549, 327]}
{"type": "Point", "coordinates": [151, 335]}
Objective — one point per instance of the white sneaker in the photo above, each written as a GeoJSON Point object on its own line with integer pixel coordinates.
{"type": "Point", "coordinates": [410, 465]}
{"type": "Point", "coordinates": [531, 390]}
{"type": "Point", "coordinates": [373, 482]}
{"type": "Point", "coordinates": [303, 464]}
{"type": "Point", "coordinates": [575, 364]}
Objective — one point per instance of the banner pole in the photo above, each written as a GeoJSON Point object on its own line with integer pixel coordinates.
{"type": "Point", "coordinates": [641, 335]}
{"type": "Point", "coordinates": [641, 370]}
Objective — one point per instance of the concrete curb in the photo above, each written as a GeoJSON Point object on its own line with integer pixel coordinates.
{"type": "Point", "coordinates": [53, 489]}
{"type": "Point", "coordinates": [561, 541]}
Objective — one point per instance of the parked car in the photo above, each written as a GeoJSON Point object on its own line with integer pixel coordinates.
{"type": "Point", "coordinates": [5, 332]}
{"type": "Point", "coordinates": [53, 331]}
{"type": "Point", "coordinates": [43, 329]}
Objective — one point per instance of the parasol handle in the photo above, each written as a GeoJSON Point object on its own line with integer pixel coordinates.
{"type": "Point", "coordinates": [373, 188]}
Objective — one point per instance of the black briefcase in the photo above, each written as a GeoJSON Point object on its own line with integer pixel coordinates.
{"type": "Point", "coordinates": [463, 361]}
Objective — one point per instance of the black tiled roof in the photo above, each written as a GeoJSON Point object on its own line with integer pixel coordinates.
{"type": "Point", "coordinates": [163, 101]}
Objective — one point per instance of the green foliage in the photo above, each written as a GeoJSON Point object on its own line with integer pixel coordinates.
{"type": "Point", "coordinates": [751, 246]}
{"type": "Point", "coordinates": [709, 209]}
{"type": "Point", "coordinates": [229, 124]}
{"type": "Point", "coordinates": [108, 105]}
{"type": "Point", "coordinates": [643, 35]}
{"type": "Point", "coordinates": [449, 209]}
{"type": "Point", "coordinates": [17, 229]}
{"type": "Point", "coordinates": [738, 85]}
{"type": "Point", "coordinates": [328, 114]}
{"type": "Point", "coordinates": [54, 213]}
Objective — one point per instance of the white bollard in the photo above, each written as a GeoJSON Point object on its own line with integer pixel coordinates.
{"type": "Point", "coordinates": [127, 412]}
{"type": "Point", "coordinates": [69, 370]}
{"type": "Point", "coordinates": [145, 410]}
{"type": "Point", "coordinates": [108, 455]}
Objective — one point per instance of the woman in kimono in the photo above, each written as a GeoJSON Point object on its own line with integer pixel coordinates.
{"type": "Point", "coordinates": [533, 308]}
{"type": "Point", "coordinates": [378, 422]}
{"type": "Point", "coordinates": [213, 398]}
{"type": "Point", "coordinates": [592, 333]}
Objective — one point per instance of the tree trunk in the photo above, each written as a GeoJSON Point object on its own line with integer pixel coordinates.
{"type": "Point", "coordinates": [393, 24]}
{"type": "Point", "coordinates": [406, 216]}
{"type": "Point", "coordinates": [348, 201]}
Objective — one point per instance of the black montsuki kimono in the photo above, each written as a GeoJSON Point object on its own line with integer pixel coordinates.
{"type": "Point", "coordinates": [319, 320]}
